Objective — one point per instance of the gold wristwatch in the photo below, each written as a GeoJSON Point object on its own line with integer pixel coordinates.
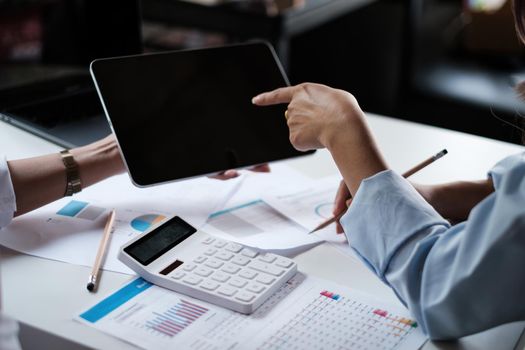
{"type": "Point", "coordinates": [73, 184]}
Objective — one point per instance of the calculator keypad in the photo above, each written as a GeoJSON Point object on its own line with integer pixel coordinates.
{"type": "Point", "coordinates": [240, 260]}
{"type": "Point", "coordinates": [265, 279]}
{"type": "Point", "coordinates": [214, 263]}
{"type": "Point", "coordinates": [232, 271]}
{"type": "Point", "coordinates": [248, 274]}
{"type": "Point", "coordinates": [188, 267]}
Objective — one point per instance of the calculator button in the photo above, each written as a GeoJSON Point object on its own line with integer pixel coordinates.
{"type": "Point", "coordinates": [194, 280]}
{"type": "Point", "coordinates": [248, 274]}
{"type": "Point", "coordinates": [209, 285]}
{"type": "Point", "coordinates": [224, 256]}
{"type": "Point", "coordinates": [220, 244]}
{"type": "Point", "coordinates": [189, 267]}
{"type": "Point", "coordinates": [208, 240]}
{"type": "Point", "coordinates": [245, 296]}
{"type": "Point", "coordinates": [256, 288]}
{"type": "Point", "coordinates": [227, 290]}
{"type": "Point", "coordinates": [269, 258]}
{"type": "Point", "coordinates": [210, 251]}
{"type": "Point", "coordinates": [249, 253]}
{"type": "Point", "coordinates": [237, 282]}
{"type": "Point", "coordinates": [286, 263]}
{"type": "Point", "coordinates": [234, 247]}
{"type": "Point", "coordinates": [200, 259]}
{"type": "Point", "coordinates": [265, 279]}
{"type": "Point", "coordinates": [240, 260]}
{"type": "Point", "coordinates": [214, 263]}
{"type": "Point", "coordinates": [272, 270]}
{"type": "Point", "coordinates": [221, 277]}
{"type": "Point", "coordinates": [203, 271]}
{"type": "Point", "coordinates": [178, 275]}
{"type": "Point", "coordinates": [231, 269]}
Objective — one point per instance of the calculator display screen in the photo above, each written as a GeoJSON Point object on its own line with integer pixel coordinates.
{"type": "Point", "coordinates": [159, 241]}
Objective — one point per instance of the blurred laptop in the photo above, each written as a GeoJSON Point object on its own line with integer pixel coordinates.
{"type": "Point", "coordinates": [55, 97]}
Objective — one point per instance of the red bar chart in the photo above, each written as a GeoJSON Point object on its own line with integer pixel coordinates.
{"type": "Point", "coordinates": [175, 319]}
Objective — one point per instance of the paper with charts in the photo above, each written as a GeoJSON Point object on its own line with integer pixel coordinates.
{"type": "Point", "coordinates": [256, 224]}
{"type": "Point", "coordinates": [248, 220]}
{"type": "Point", "coordinates": [309, 204]}
{"type": "Point", "coordinates": [306, 313]}
{"type": "Point", "coordinates": [70, 229]}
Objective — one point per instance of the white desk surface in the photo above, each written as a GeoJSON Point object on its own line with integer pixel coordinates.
{"type": "Point", "coordinates": [46, 294]}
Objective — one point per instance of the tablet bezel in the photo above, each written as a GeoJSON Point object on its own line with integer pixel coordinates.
{"type": "Point", "coordinates": [133, 179]}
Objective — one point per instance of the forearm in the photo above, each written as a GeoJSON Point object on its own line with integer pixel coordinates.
{"type": "Point", "coordinates": [355, 152]}
{"type": "Point", "coordinates": [319, 116]}
{"type": "Point", "coordinates": [41, 180]}
{"type": "Point", "coordinates": [455, 200]}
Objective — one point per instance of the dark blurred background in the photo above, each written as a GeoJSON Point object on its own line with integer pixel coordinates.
{"type": "Point", "coordinates": [449, 63]}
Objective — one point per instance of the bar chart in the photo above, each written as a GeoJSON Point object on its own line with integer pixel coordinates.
{"type": "Point", "coordinates": [175, 319]}
{"type": "Point", "coordinates": [81, 210]}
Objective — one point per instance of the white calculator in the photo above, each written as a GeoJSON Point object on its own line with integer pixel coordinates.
{"type": "Point", "coordinates": [175, 255]}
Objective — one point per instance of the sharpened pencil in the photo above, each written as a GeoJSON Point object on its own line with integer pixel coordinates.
{"type": "Point", "coordinates": [93, 278]}
{"type": "Point", "coordinates": [406, 174]}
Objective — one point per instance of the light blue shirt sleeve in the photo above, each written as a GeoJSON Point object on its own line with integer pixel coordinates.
{"type": "Point", "coordinates": [456, 280]}
{"type": "Point", "coordinates": [7, 195]}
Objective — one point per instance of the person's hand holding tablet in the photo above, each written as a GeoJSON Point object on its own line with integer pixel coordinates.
{"type": "Point", "coordinates": [188, 113]}
{"type": "Point", "coordinates": [232, 173]}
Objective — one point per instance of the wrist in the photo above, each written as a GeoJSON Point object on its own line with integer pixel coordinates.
{"type": "Point", "coordinates": [428, 192]}
{"type": "Point", "coordinates": [73, 181]}
{"type": "Point", "coordinates": [355, 152]}
{"type": "Point", "coordinates": [98, 161]}
{"type": "Point", "coordinates": [350, 132]}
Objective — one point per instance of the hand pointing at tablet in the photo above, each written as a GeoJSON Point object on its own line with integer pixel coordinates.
{"type": "Point", "coordinates": [319, 116]}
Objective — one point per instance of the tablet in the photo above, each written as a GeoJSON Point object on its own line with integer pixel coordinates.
{"type": "Point", "coordinates": [188, 113]}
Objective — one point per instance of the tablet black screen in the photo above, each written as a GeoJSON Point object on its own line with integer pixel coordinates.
{"type": "Point", "coordinates": [188, 113]}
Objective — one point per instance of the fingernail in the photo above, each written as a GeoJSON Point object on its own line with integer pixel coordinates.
{"type": "Point", "coordinates": [255, 99]}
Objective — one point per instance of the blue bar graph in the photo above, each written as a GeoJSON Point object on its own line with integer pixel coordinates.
{"type": "Point", "coordinates": [72, 208]}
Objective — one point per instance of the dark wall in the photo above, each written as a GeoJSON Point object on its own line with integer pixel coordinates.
{"type": "Point", "coordinates": [359, 52]}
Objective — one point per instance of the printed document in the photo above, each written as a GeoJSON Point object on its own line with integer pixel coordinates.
{"type": "Point", "coordinates": [306, 313]}
{"type": "Point", "coordinates": [308, 204]}
{"type": "Point", "coordinates": [70, 229]}
{"type": "Point", "coordinates": [248, 220]}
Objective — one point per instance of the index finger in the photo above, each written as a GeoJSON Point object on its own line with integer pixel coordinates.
{"type": "Point", "coordinates": [281, 95]}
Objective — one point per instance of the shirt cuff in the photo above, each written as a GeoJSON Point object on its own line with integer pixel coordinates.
{"type": "Point", "coordinates": [7, 194]}
{"type": "Point", "coordinates": [503, 166]}
{"type": "Point", "coordinates": [385, 213]}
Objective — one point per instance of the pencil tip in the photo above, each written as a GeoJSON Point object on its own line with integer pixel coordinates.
{"type": "Point", "coordinates": [90, 286]}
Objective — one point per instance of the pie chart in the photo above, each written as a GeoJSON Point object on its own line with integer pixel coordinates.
{"type": "Point", "coordinates": [143, 222]}
{"type": "Point", "coordinates": [324, 210]}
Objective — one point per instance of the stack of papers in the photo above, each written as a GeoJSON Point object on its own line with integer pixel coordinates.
{"type": "Point", "coordinates": [268, 211]}
{"type": "Point", "coordinates": [70, 229]}
{"type": "Point", "coordinates": [306, 313]}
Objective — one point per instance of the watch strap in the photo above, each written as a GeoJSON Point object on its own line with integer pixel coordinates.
{"type": "Point", "coordinates": [73, 183]}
